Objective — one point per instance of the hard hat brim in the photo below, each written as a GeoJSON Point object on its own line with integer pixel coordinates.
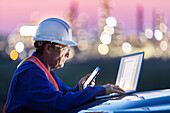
{"type": "Point", "coordinates": [70, 43]}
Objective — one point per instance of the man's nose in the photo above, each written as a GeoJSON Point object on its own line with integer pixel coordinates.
{"type": "Point", "coordinates": [67, 54]}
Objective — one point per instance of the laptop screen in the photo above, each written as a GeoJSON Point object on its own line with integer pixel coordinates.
{"type": "Point", "coordinates": [129, 70]}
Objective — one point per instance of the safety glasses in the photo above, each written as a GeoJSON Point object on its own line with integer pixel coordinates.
{"type": "Point", "coordinates": [66, 49]}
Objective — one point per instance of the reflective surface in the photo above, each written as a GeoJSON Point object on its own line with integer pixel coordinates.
{"type": "Point", "coordinates": [148, 101]}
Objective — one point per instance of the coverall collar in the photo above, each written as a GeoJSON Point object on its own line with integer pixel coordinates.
{"type": "Point", "coordinates": [34, 54]}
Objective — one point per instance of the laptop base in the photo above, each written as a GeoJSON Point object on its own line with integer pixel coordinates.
{"type": "Point", "coordinates": [114, 95]}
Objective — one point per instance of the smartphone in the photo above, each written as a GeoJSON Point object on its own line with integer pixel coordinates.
{"type": "Point", "coordinates": [91, 77]}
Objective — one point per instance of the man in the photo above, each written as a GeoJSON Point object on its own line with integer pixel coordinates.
{"type": "Point", "coordinates": [36, 88]}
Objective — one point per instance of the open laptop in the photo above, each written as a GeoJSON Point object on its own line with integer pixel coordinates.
{"type": "Point", "coordinates": [128, 74]}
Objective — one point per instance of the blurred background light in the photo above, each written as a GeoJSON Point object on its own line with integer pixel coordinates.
{"type": "Point", "coordinates": [163, 27]}
{"type": "Point", "coordinates": [158, 35]}
{"type": "Point", "coordinates": [108, 29]}
{"type": "Point", "coordinates": [19, 47]}
{"type": "Point", "coordinates": [72, 53]}
{"type": "Point", "coordinates": [103, 49]}
{"type": "Point", "coordinates": [105, 38]}
{"type": "Point", "coordinates": [126, 47]}
{"type": "Point", "coordinates": [23, 55]}
{"type": "Point", "coordinates": [2, 45]}
{"type": "Point", "coordinates": [8, 50]}
{"type": "Point", "coordinates": [111, 21]}
{"type": "Point", "coordinates": [81, 32]}
{"type": "Point", "coordinates": [148, 33]}
{"type": "Point", "coordinates": [83, 45]}
{"type": "Point", "coordinates": [28, 30]}
{"type": "Point", "coordinates": [14, 54]}
{"type": "Point", "coordinates": [163, 45]}
{"type": "Point", "coordinates": [12, 39]}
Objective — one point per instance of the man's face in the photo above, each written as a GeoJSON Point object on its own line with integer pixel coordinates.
{"type": "Point", "coordinates": [58, 56]}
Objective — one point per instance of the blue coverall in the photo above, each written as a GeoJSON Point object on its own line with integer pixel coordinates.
{"type": "Point", "coordinates": [30, 91]}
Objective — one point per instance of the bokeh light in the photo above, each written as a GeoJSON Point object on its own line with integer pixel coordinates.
{"type": "Point", "coordinates": [12, 39]}
{"type": "Point", "coordinates": [23, 55]}
{"type": "Point", "coordinates": [163, 45]}
{"type": "Point", "coordinates": [72, 53]}
{"type": "Point", "coordinates": [28, 30]}
{"type": "Point", "coordinates": [114, 41]}
{"type": "Point", "coordinates": [109, 29]}
{"type": "Point", "coordinates": [103, 49]}
{"type": "Point", "coordinates": [148, 33]}
{"type": "Point", "coordinates": [111, 21]}
{"type": "Point", "coordinates": [105, 38]}
{"type": "Point", "coordinates": [158, 35]}
{"type": "Point", "coordinates": [19, 47]}
{"type": "Point", "coordinates": [14, 54]}
{"type": "Point", "coordinates": [163, 27]}
{"type": "Point", "coordinates": [126, 47]}
{"type": "Point", "coordinates": [83, 45]}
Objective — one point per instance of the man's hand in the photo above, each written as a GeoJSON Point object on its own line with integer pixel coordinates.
{"type": "Point", "coordinates": [82, 81]}
{"type": "Point", "coordinates": [110, 88]}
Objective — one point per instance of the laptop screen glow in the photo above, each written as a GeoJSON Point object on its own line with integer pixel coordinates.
{"type": "Point", "coordinates": [129, 70]}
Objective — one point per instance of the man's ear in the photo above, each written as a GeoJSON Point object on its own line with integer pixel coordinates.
{"type": "Point", "coordinates": [47, 48]}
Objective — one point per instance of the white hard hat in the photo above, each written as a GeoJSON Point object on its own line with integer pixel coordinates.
{"type": "Point", "coordinates": [54, 30]}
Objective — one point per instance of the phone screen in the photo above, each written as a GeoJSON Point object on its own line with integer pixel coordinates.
{"type": "Point", "coordinates": [91, 77]}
